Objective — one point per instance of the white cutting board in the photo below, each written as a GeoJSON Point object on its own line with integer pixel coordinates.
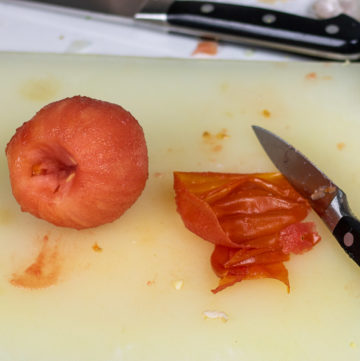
{"type": "Point", "coordinates": [122, 303]}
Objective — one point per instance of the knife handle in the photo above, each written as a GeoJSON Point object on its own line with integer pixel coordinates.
{"type": "Point", "coordinates": [347, 233]}
{"type": "Point", "coordinates": [336, 38]}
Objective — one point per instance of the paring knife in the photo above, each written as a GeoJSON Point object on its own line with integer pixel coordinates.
{"type": "Point", "coordinates": [337, 38]}
{"type": "Point", "coordinates": [328, 200]}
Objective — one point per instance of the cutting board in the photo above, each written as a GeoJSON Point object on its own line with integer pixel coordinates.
{"type": "Point", "coordinates": [139, 288]}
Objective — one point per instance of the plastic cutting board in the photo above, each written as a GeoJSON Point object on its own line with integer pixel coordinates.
{"type": "Point", "coordinates": [137, 289]}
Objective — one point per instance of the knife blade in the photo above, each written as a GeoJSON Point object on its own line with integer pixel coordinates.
{"type": "Point", "coordinates": [326, 198]}
{"type": "Point", "coordinates": [337, 38]}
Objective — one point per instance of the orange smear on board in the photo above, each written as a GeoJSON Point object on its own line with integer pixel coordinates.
{"type": "Point", "coordinates": [311, 76]}
{"type": "Point", "coordinates": [217, 148]}
{"type": "Point", "coordinates": [206, 47]}
{"type": "Point", "coordinates": [44, 272]}
{"type": "Point", "coordinates": [158, 174]}
{"type": "Point", "coordinates": [265, 113]}
{"type": "Point", "coordinates": [340, 145]}
{"type": "Point", "coordinates": [96, 248]}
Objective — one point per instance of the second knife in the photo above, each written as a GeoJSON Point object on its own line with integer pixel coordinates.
{"type": "Point", "coordinates": [336, 38]}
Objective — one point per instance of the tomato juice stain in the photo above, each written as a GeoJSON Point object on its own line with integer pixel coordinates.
{"type": "Point", "coordinates": [340, 145]}
{"type": "Point", "coordinates": [311, 76]}
{"type": "Point", "coordinates": [43, 89]}
{"type": "Point", "coordinates": [43, 272]}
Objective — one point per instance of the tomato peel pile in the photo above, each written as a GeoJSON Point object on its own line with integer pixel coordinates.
{"type": "Point", "coordinates": [254, 220]}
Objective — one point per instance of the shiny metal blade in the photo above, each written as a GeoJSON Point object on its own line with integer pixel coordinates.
{"type": "Point", "coordinates": [126, 8]}
{"type": "Point", "coordinates": [303, 175]}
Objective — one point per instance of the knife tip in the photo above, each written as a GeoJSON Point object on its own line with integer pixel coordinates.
{"type": "Point", "coordinates": [257, 129]}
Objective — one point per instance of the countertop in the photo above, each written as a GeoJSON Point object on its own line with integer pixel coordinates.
{"type": "Point", "coordinates": [29, 27]}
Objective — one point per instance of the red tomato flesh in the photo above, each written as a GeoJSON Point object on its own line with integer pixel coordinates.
{"type": "Point", "coordinates": [253, 220]}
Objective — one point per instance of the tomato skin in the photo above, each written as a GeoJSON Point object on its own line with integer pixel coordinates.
{"type": "Point", "coordinates": [231, 275]}
{"type": "Point", "coordinates": [192, 208]}
{"type": "Point", "coordinates": [199, 196]}
{"type": "Point", "coordinates": [253, 220]}
{"type": "Point", "coordinates": [242, 228]}
{"type": "Point", "coordinates": [256, 256]}
{"type": "Point", "coordinates": [299, 238]}
{"type": "Point", "coordinates": [251, 202]}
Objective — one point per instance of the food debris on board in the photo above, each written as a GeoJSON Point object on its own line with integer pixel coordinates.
{"type": "Point", "coordinates": [159, 174]}
{"type": "Point", "coordinates": [178, 284]}
{"type": "Point", "coordinates": [266, 113]}
{"type": "Point", "coordinates": [254, 220]}
{"type": "Point", "coordinates": [215, 140]}
{"type": "Point", "coordinates": [206, 47]}
{"type": "Point", "coordinates": [152, 281]}
{"type": "Point", "coordinates": [96, 248]}
{"type": "Point", "coordinates": [211, 138]}
{"type": "Point", "coordinates": [215, 315]}
{"type": "Point", "coordinates": [314, 76]}
{"type": "Point", "coordinates": [311, 76]}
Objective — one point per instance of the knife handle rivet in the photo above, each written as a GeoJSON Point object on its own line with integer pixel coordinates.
{"type": "Point", "coordinates": [332, 29]}
{"type": "Point", "coordinates": [348, 239]}
{"type": "Point", "coordinates": [207, 8]}
{"type": "Point", "coordinates": [268, 18]}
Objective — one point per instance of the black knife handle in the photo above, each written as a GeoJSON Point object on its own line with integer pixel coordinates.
{"type": "Point", "coordinates": [338, 37]}
{"type": "Point", "coordinates": [347, 233]}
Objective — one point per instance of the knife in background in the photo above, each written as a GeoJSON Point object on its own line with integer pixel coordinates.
{"type": "Point", "coordinates": [337, 38]}
{"type": "Point", "coordinates": [328, 200]}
